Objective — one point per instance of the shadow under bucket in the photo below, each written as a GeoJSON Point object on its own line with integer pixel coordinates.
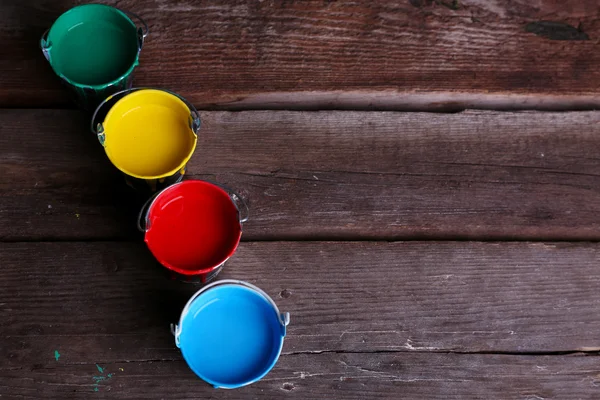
{"type": "Point", "coordinates": [148, 134]}
{"type": "Point", "coordinates": [192, 228]}
{"type": "Point", "coordinates": [94, 49]}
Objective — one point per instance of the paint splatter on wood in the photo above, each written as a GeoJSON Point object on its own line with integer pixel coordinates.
{"type": "Point", "coordinates": [56, 355]}
{"type": "Point", "coordinates": [99, 378]}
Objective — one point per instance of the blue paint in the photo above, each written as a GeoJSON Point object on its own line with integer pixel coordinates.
{"type": "Point", "coordinates": [231, 336]}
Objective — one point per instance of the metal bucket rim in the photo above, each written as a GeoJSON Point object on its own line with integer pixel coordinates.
{"type": "Point", "coordinates": [186, 272]}
{"type": "Point", "coordinates": [184, 161]}
{"type": "Point", "coordinates": [283, 319]}
{"type": "Point", "coordinates": [101, 86]}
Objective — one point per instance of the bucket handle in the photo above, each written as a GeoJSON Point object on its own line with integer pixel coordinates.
{"type": "Point", "coordinates": [44, 45]}
{"type": "Point", "coordinates": [143, 210]}
{"type": "Point", "coordinates": [142, 31]}
{"type": "Point", "coordinates": [98, 129]}
{"type": "Point", "coordinates": [238, 201]}
{"type": "Point", "coordinates": [283, 317]}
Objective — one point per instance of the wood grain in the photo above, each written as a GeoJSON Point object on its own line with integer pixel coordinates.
{"type": "Point", "coordinates": [343, 296]}
{"type": "Point", "coordinates": [320, 376]}
{"type": "Point", "coordinates": [316, 175]}
{"type": "Point", "coordinates": [433, 54]}
{"type": "Point", "coordinates": [368, 319]}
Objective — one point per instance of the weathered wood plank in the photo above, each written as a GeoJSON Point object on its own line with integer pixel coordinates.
{"type": "Point", "coordinates": [319, 376]}
{"type": "Point", "coordinates": [377, 320]}
{"type": "Point", "coordinates": [316, 175]}
{"type": "Point", "coordinates": [326, 54]}
{"type": "Point", "coordinates": [343, 296]}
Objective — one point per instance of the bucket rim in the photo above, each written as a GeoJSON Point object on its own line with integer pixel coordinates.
{"type": "Point", "coordinates": [282, 318]}
{"type": "Point", "coordinates": [197, 272]}
{"type": "Point", "coordinates": [185, 160]}
{"type": "Point", "coordinates": [70, 81]}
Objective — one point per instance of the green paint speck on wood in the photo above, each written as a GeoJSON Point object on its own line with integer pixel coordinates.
{"type": "Point", "coordinates": [56, 354]}
{"type": "Point", "coordinates": [96, 389]}
{"type": "Point", "coordinates": [100, 368]}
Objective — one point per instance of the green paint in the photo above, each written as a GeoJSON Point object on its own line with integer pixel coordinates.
{"type": "Point", "coordinates": [94, 49]}
{"type": "Point", "coordinates": [56, 355]}
{"type": "Point", "coordinates": [100, 369]}
{"type": "Point", "coordinates": [88, 57]}
{"type": "Point", "coordinates": [93, 45]}
{"type": "Point", "coordinates": [109, 375]}
{"type": "Point", "coordinates": [95, 388]}
{"type": "Point", "coordinates": [98, 378]}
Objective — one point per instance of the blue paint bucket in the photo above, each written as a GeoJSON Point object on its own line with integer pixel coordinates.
{"type": "Point", "coordinates": [230, 333]}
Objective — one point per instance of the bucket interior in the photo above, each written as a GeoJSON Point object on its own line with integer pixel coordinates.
{"type": "Point", "coordinates": [148, 134]}
{"type": "Point", "coordinates": [93, 45]}
{"type": "Point", "coordinates": [192, 227]}
{"type": "Point", "coordinates": [230, 336]}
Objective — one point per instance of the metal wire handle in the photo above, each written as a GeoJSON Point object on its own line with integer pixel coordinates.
{"type": "Point", "coordinates": [284, 318]}
{"type": "Point", "coordinates": [142, 31]}
{"type": "Point", "coordinates": [145, 29]}
{"type": "Point", "coordinates": [244, 212]}
{"type": "Point", "coordinates": [236, 199]}
{"type": "Point", "coordinates": [144, 208]}
{"type": "Point", "coordinates": [43, 43]}
{"type": "Point", "coordinates": [98, 129]}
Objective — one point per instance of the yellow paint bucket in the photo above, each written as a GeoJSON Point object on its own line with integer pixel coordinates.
{"type": "Point", "coordinates": [148, 134]}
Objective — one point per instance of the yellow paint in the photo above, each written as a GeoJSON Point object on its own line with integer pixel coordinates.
{"type": "Point", "coordinates": [148, 134]}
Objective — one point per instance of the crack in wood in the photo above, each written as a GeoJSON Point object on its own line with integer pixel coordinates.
{"type": "Point", "coordinates": [403, 349]}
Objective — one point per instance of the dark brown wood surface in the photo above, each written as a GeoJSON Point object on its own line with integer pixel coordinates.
{"type": "Point", "coordinates": [417, 319]}
{"type": "Point", "coordinates": [410, 54]}
{"type": "Point", "coordinates": [353, 376]}
{"type": "Point", "coordinates": [421, 255]}
{"type": "Point", "coordinates": [314, 175]}
{"type": "Point", "coordinates": [344, 296]}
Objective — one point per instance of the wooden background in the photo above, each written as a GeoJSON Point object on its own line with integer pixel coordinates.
{"type": "Point", "coordinates": [423, 179]}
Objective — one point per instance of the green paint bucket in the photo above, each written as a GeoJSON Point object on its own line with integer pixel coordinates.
{"type": "Point", "coordinates": [94, 49]}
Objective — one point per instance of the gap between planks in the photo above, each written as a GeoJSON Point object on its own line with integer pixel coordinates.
{"type": "Point", "coordinates": [387, 101]}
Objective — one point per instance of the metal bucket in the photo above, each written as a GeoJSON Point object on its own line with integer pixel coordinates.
{"type": "Point", "coordinates": [94, 49]}
{"type": "Point", "coordinates": [192, 228]}
{"type": "Point", "coordinates": [231, 333]}
{"type": "Point", "coordinates": [148, 134]}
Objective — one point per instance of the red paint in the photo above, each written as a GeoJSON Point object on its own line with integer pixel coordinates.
{"type": "Point", "coordinates": [193, 227]}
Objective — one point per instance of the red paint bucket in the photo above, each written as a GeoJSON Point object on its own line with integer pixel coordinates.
{"type": "Point", "coordinates": [193, 227]}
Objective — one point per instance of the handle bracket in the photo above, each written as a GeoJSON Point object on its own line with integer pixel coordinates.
{"type": "Point", "coordinates": [238, 202]}
{"type": "Point", "coordinates": [142, 31]}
